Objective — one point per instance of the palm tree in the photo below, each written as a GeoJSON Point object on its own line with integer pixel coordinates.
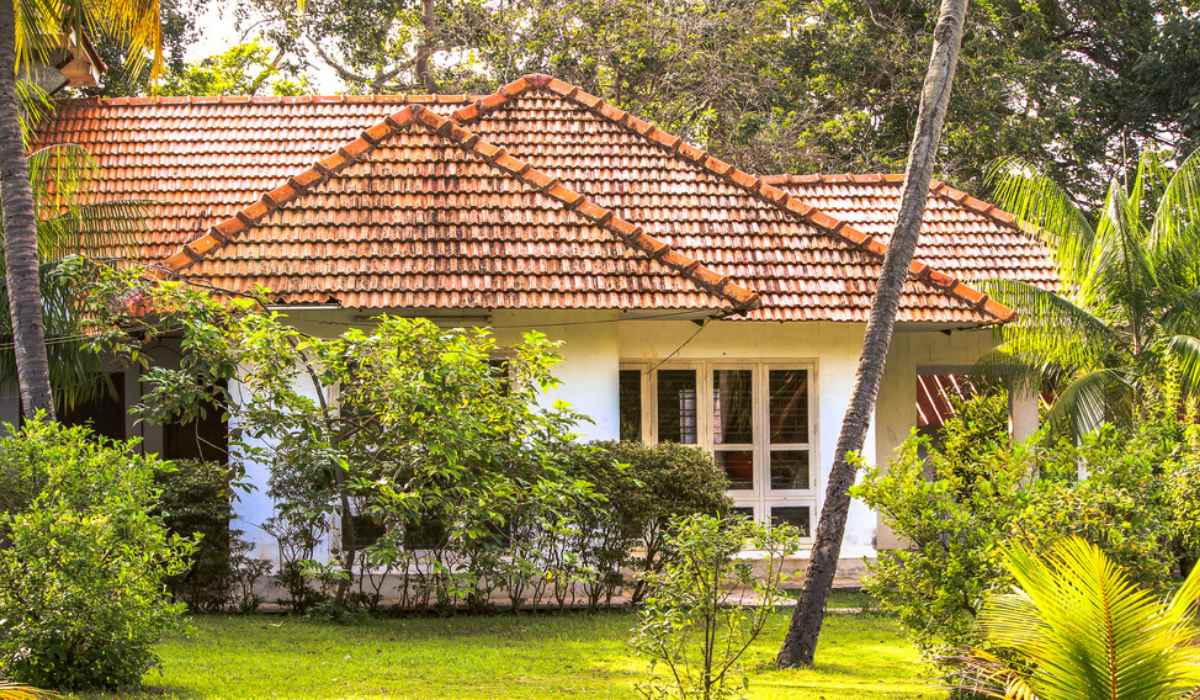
{"type": "Point", "coordinates": [66, 229]}
{"type": "Point", "coordinates": [16, 691]}
{"type": "Point", "coordinates": [1075, 627]}
{"type": "Point", "coordinates": [1127, 304]}
{"type": "Point", "coordinates": [29, 31]}
{"type": "Point", "coordinates": [800, 645]}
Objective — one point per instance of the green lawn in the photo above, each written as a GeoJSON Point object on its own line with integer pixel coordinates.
{"type": "Point", "coordinates": [502, 656]}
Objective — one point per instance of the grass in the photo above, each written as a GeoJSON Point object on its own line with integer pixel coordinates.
{"type": "Point", "coordinates": [556, 656]}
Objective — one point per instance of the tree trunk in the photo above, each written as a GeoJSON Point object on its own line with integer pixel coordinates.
{"type": "Point", "coordinates": [799, 648]}
{"type": "Point", "coordinates": [425, 50]}
{"type": "Point", "coordinates": [20, 237]}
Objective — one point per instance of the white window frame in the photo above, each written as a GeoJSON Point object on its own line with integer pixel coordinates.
{"type": "Point", "coordinates": [761, 499]}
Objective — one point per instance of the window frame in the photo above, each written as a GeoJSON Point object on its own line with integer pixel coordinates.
{"type": "Point", "coordinates": [762, 498]}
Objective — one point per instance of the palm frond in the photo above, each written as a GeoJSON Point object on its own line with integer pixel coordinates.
{"type": "Point", "coordinates": [100, 230]}
{"type": "Point", "coordinates": [1185, 349]}
{"type": "Point", "coordinates": [1183, 315]}
{"type": "Point", "coordinates": [1088, 631]}
{"type": "Point", "coordinates": [1004, 366]}
{"type": "Point", "coordinates": [42, 25]}
{"type": "Point", "coordinates": [20, 691]}
{"type": "Point", "coordinates": [138, 25]}
{"type": "Point", "coordinates": [1176, 224]}
{"type": "Point", "coordinates": [35, 105]}
{"type": "Point", "coordinates": [1124, 271]}
{"type": "Point", "coordinates": [1051, 328]}
{"type": "Point", "coordinates": [1089, 400]}
{"type": "Point", "coordinates": [1048, 211]}
{"type": "Point", "coordinates": [57, 173]}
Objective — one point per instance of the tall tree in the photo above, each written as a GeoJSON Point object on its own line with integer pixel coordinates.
{"type": "Point", "coordinates": [67, 227]}
{"type": "Point", "coordinates": [29, 31]}
{"type": "Point", "coordinates": [799, 648]}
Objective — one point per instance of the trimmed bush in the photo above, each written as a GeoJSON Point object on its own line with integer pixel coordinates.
{"type": "Point", "coordinates": [83, 559]}
{"type": "Point", "coordinates": [197, 502]}
{"type": "Point", "coordinates": [645, 488]}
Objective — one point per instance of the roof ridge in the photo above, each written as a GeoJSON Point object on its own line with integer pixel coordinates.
{"type": "Point", "coordinates": [833, 178]}
{"type": "Point", "coordinates": [630, 235]}
{"type": "Point", "coordinates": [979, 206]}
{"type": "Point", "coordinates": [937, 188]}
{"type": "Point", "coordinates": [757, 187]}
{"type": "Point", "coordinates": [201, 100]}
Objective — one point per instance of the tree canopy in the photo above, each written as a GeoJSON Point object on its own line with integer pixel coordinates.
{"type": "Point", "coordinates": [1076, 87]}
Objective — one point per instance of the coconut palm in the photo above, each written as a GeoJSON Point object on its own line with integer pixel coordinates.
{"type": "Point", "coordinates": [30, 30]}
{"type": "Point", "coordinates": [1075, 627]}
{"type": "Point", "coordinates": [16, 691]}
{"type": "Point", "coordinates": [1127, 304]}
{"type": "Point", "coordinates": [67, 228]}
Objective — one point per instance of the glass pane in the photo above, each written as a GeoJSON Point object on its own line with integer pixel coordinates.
{"type": "Point", "coordinates": [789, 405]}
{"type": "Point", "coordinates": [733, 406]}
{"type": "Point", "coordinates": [630, 404]}
{"type": "Point", "coordinates": [789, 469]}
{"type": "Point", "coordinates": [738, 466]}
{"type": "Point", "coordinates": [746, 512]}
{"type": "Point", "coordinates": [677, 406]}
{"type": "Point", "coordinates": [792, 515]}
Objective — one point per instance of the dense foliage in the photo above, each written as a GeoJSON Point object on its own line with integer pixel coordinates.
{"type": "Point", "coordinates": [960, 498]}
{"type": "Point", "coordinates": [644, 490]}
{"type": "Point", "coordinates": [694, 623]}
{"type": "Point", "coordinates": [83, 559]}
{"type": "Point", "coordinates": [797, 85]}
{"type": "Point", "coordinates": [407, 461]}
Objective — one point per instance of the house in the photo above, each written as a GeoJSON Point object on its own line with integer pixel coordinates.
{"type": "Point", "coordinates": [698, 303]}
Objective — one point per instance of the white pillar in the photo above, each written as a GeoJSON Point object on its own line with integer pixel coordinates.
{"type": "Point", "coordinates": [1023, 412]}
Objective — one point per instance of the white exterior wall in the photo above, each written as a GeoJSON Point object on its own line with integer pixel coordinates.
{"type": "Point", "coordinates": [252, 509]}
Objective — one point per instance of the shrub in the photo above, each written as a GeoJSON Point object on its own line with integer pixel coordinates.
{"type": "Point", "coordinates": [693, 622]}
{"type": "Point", "coordinates": [645, 489]}
{"type": "Point", "coordinates": [83, 559]}
{"type": "Point", "coordinates": [1122, 505]}
{"type": "Point", "coordinates": [952, 500]}
{"type": "Point", "coordinates": [196, 502]}
{"type": "Point", "coordinates": [960, 500]}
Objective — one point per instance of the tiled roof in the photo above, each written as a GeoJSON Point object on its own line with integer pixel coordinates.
{"type": "Point", "coordinates": [539, 196]}
{"type": "Point", "coordinates": [960, 234]}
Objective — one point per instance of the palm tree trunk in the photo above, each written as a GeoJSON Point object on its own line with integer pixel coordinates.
{"type": "Point", "coordinates": [20, 236]}
{"type": "Point", "coordinates": [800, 645]}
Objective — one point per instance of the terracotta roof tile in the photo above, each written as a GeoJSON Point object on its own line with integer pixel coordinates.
{"type": "Point", "coordinates": [537, 196]}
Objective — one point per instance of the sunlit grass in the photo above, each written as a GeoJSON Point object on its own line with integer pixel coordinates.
{"type": "Point", "coordinates": [556, 655]}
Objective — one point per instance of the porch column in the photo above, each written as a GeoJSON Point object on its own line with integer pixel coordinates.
{"type": "Point", "coordinates": [1023, 412]}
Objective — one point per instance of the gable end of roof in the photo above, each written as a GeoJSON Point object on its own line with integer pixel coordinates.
{"type": "Point", "coordinates": [630, 235]}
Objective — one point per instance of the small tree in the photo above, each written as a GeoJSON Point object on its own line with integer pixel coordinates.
{"type": "Point", "coordinates": [83, 559]}
{"type": "Point", "coordinates": [696, 621]}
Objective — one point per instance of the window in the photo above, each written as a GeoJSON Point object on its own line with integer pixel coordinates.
{"type": "Point", "coordinates": [677, 416]}
{"type": "Point", "coordinates": [733, 425]}
{"type": "Point", "coordinates": [788, 416]}
{"type": "Point", "coordinates": [797, 516]}
{"type": "Point", "coordinates": [756, 418]}
{"type": "Point", "coordinates": [630, 405]}
{"type": "Point", "coordinates": [105, 412]}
